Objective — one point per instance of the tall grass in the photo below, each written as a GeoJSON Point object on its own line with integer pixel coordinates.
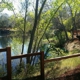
{"type": "Point", "coordinates": [26, 72]}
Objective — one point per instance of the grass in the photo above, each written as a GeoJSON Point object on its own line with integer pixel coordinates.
{"type": "Point", "coordinates": [71, 63]}
{"type": "Point", "coordinates": [60, 67]}
{"type": "Point", "coordinates": [27, 72]}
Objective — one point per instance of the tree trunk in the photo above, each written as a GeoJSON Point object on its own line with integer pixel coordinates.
{"type": "Point", "coordinates": [36, 22]}
{"type": "Point", "coordinates": [24, 31]}
{"type": "Point", "coordinates": [33, 31]}
{"type": "Point", "coordinates": [48, 25]}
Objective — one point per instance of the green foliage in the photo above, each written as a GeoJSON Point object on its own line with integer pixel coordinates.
{"type": "Point", "coordinates": [26, 72]}
{"type": "Point", "coordinates": [68, 24]}
{"type": "Point", "coordinates": [4, 21]}
{"type": "Point", "coordinates": [6, 4]}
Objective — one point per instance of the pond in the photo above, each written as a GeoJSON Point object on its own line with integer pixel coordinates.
{"type": "Point", "coordinates": [16, 47]}
{"type": "Point", "coordinates": [15, 43]}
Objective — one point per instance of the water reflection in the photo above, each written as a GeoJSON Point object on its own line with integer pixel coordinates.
{"type": "Point", "coordinates": [5, 41]}
{"type": "Point", "coordinates": [3, 64]}
{"type": "Point", "coordinates": [15, 43]}
{"type": "Point", "coordinates": [16, 46]}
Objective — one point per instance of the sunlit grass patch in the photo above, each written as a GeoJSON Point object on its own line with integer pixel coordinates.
{"type": "Point", "coordinates": [69, 64]}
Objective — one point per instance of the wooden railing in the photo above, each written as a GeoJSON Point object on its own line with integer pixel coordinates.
{"type": "Point", "coordinates": [61, 58]}
{"type": "Point", "coordinates": [9, 58]}
{"type": "Point", "coordinates": [8, 54]}
{"type": "Point", "coordinates": [42, 61]}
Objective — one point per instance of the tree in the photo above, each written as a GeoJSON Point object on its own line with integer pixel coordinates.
{"type": "Point", "coordinates": [24, 31]}
{"type": "Point", "coordinates": [36, 21]}
{"type": "Point", "coordinates": [74, 10]}
{"type": "Point", "coordinates": [6, 4]}
{"type": "Point", "coordinates": [67, 14]}
{"type": "Point", "coordinates": [4, 21]}
{"type": "Point", "coordinates": [45, 15]}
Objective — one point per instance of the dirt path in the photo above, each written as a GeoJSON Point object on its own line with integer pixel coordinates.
{"type": "Point", "coordinates": [70, 75]}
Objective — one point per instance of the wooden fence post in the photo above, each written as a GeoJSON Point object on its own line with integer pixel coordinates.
{"type": "Point", "coordinates": [9, 62]}
{"type": "Point", "coordinates": [42, 65]}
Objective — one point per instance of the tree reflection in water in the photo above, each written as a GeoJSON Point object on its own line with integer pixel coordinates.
{"type": "Point", "coordinates": [16, 44]}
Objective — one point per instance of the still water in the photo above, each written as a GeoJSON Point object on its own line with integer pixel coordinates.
{"type": "Point", "coordinates": [16, 46]}
{"type": "Point", "coordinates": [15, 43]}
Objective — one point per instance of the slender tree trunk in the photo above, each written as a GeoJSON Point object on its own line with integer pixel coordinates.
{"type": "Point", "coordinates": [73, 20]}
{"type": "Point", "coordinates": [24, 27]}
{"type": "Point", "coordinates": [74, 25]}
{"type": "Point", "coordinates": [64, 28]}
{"type": "Point", "coordinates": [66, 34]}
{"type": "Point", "coordinates": [33, 31]}
{"type": "Point", "coordinates": [48, 26]}
{"type": "Point", "coordinates": [36, 22]}
{"type": "Point", "coordinates": [23, 37]}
